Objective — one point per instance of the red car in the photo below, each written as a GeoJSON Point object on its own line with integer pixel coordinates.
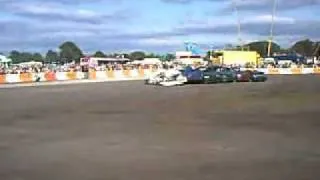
{"type": "Point", "coordinates": [250, 76]}
{"type": "Point", "coordinates": [243, 76]}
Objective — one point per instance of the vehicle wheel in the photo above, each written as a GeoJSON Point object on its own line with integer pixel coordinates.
{"type": "Point", "coordinates": [206, 81]}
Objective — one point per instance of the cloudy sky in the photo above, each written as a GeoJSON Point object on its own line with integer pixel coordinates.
{"type": "Point", "coordinates": [151, 25]}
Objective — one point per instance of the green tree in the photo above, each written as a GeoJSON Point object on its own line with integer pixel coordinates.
{"type": "Point", "coordinates": [316, 48]}
{"type": "Point", "coordinates": [137, 55]}
{"type": "Point", "coordinates": [37, 57]}
{"type": "Point", "coordinates": [26, 57]}
{"type": "Point", "coordinates": [125, 55]}
{"type": "Point", "coordinates": [169, 57]}
{"type": "Point", "coordinates": [304, 47]}
{"type": "Point", "coordinates": [51, 57]}
{"type": "Point", "coordinates": [69, 51]}
{"type": "Point", "coordinates": [99, 54]}
{"type": "Point", "coordinates": [207, 57]}
{"type": "Point", "coordinates": [152, 55]}
{"type": "Point", "coordinates": [15, 56]}
{"type": "Point", "coordinates": [262, 47]}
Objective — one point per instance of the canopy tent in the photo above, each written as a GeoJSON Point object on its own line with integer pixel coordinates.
{"type": "Point", "coordinates": [4, 59]}
{"type": "Point", "coordinates": [30, 63]}
{"type": "Point", "coordinates": [148, 61]}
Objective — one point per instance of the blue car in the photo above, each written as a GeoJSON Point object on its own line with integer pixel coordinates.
{"type": "Point", "coordinates": [193, 75]}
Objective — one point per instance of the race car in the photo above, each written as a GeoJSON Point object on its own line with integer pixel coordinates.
{"type": "Point", "coordinates": [170, 77]}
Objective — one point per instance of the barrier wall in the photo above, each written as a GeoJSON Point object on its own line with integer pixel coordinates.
{"type": "Point", "coordinates": [119, 75]}
{"type": "Point", "coordinates": [111, 75]}
{"type": "Point", "coordinates": [287, 70]}
{"type": "Point", "coordinates": [31, 77]}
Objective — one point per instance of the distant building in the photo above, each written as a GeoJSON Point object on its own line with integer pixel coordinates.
{"type": "Point", "coordinates": [97, 61]}
{"type": "Point", "coordinates": [186, 57]}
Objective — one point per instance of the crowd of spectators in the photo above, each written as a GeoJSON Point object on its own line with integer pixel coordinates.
{"type": "Point", "coordinates": [18, 69]}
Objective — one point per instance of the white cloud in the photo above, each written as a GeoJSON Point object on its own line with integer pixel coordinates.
{"type": "Point", "coordinates": [49, 11]}
{"type": "Point", "coordinates": [160, 41]}
{"type": "Point", "coordinates": [268, 19]}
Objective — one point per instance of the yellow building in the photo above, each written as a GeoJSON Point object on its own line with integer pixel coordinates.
{"type": "Point", "coordinates": [229, 57]}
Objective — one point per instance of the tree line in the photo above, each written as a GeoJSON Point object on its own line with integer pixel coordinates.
{"type": "Point", "coordinates": [69, 51]}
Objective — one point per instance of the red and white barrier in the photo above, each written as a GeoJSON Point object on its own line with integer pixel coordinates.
{"type": "Point", "coordinates": [120, 75]}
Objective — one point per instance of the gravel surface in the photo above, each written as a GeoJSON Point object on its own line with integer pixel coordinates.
{"type": "Point", "coordinates": [131, 131]}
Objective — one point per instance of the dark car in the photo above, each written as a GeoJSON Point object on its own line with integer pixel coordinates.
{"type": "Point", "coordinates": [258, 76]}
{"type": "Point", "coordinates": [211, 75]}
{"type": "Point", "coordinates": [250, 76]}
{"type": "Point", "coordinates": [217, 74]}
{"type": "Point", "coordinates": [227, 74]}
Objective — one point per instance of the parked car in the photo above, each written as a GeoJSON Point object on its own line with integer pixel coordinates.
{"type": "Point", "coordinates": [211, 75]}
{"type": "Point", "coordinates": [250, 76]}
{"type": "Point", "coordinates": [243, 76]}
{"type": "Point", "coordinates": [227, 74]}
{"type": "Point", "coordinates": [193, 75]}
{"type": "Point", "coordinates": [258, 76]}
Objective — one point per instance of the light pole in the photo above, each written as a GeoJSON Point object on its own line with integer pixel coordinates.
{"type": "Point", "coordinates": [272, 26]}
{"type": "Point", "coordinates": [238, 23]}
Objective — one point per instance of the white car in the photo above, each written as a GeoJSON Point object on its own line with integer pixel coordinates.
{"type": "Point", "coordinates": [171, 77]}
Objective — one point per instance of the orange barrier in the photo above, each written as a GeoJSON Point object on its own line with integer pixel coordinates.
{"type": "Point", "coordinates": [2, 79]}
{"type": "Point", "coordinates": [50, 76]}
{"type": "Point", "coordinates": [71, 75]}
{"type": "Point", "coordinates": [316, 70]}
{"type": "Point", "coordinates": [92, 74]}
{"type": "Point", "coordinates": [110, 74]}
{"type": "Point", "coordinates": [26, 77]}
{"type": "Point", "coordinates": [296, 70]}
{"type": "Point", "coordinates": [141, 72]}
{"type": "Point", "coordinates": [126, 73]}
{"type": "Point", "coordinates": [273, 71]}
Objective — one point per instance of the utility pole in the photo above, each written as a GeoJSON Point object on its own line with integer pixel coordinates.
{"type": "Point", "coordinates": [271, 28]}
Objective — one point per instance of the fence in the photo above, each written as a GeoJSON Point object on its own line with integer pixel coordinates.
{"type": "Point", "coordinates": [118, 75]}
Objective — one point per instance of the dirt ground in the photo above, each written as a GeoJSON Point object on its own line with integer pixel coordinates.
{"type": "Point", "coordinates": [130, 131]}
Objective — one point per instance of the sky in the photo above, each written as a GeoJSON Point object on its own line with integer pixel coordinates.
{"type": "Point", "coordinates": [152, 25]}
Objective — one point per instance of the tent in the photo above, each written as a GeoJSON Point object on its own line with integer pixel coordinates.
{"type": "Point", "coordinates": [30, 63]}
{"type": "Point", "coordinates": [149, 61]}
{"type": "Point", "coordinates": [4, 59]}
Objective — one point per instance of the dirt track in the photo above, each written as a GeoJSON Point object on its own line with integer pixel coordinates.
{"type": "Point", "coordinates": [129, 131]}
